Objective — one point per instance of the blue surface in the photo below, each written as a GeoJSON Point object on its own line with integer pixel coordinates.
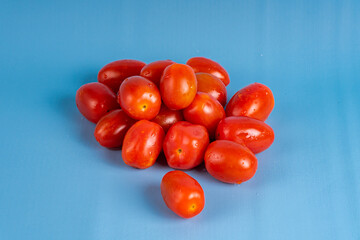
{"type": "Point", "coordinates": [56, 182]}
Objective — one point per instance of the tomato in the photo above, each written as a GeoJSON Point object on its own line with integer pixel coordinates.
{"type": "Point", "coordinates": [111, 128]}
{"type": "Point", "coordinates": [253, 133]}
{"type": "Point", "coordinates": [230, 162]}
{"type": "Point", "coordinates": [255, 100]}
{"type": "Point", "coordinates": [142, 144]}
{"type": "Point", "coordinates": [178, 86]}
{"type": "Point", "coordinates": [205, 110]}
{"type": "Point", "coordinates": [185, 144]}
{"type": "Point", "coordinates": [212, 85]}
{"type": "Point", "coordinates": [182, 194]}
{"type": "Point", "coordinates": [139, 98]}
{"type": "Point", "coordinates": [154, 70]}
{"type": "Point", "coordinates": [114, 73]}
{"type": "Point", "coordinates": [94, 100]}
{"type": "Point", "coordinates": [167, 117]}
{"type": "Point", "coordinates": [201, 64]}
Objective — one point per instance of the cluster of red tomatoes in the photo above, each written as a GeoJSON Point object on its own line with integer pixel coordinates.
{"type": "Point", "coordinates": [179, 109]}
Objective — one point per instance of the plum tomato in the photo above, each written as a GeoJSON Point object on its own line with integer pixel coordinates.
{"type": "Point", "coordinates": [154, 70]}
{"type": "Point", "coordinates": [255, 100]}
{"type": "Point", "coordinates": [139, 98]}
{"type": "Point", "coordinates": [94, 100]}
{"type": "Point", "coordinates": [178, 86]}
{"type": "Point", "coordinates": [167, 117]}
{"type": "Point", "coordinates": [182, 194]}
{"type": "Point", "coordinates": [142, 144]}
{"type": "Point", "coordinates": [114, 73]}
{"type": "Point", "coordinates": [212, 85]}
{"type": "Point", "coordinates": [185, 144]}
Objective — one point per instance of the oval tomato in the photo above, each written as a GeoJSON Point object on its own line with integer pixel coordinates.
{"type": "Point", "coordinates": [153, 71]}
{"type": "Point", "coordinates": [167, 117]}
{"type": "Point", "coordinates": [212, 85]}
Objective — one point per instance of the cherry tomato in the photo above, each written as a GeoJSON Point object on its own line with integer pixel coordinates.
{"type": "Point", "coordinates": [142, 144]}
{"type": "Point", "coordinates": [185, 144]}
{"type": "Point", "coordinates": [182, 194]}
{"type": "Point", "coordinates": [230, 162]}
{"type": "Point", "coordinates": [167, 117]}
{"type": "Point", "coordinates": [111, 128]}
{"type": "Point", "coordinates": [201, 64]}
{"type": "Point", "coordinates": [205, 110]}
{"type": "Point", "coordinates": [255, 100]}
{"type": "Point", "coordinates": [94, 100]}
{"type": "Point", "coordinates": [253, 133]}
{"type": "Point", "coordinates": [178, 86]}
{"type": "Point", "coordinates": [139, 98]}
{"type": "Point", "coordinates": [212, 85]}
{"type": "Point", "coordinates": [114, 73]}
{"type": "Point", "coordinates": [154, 70]}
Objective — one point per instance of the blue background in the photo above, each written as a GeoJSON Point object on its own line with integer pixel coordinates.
{"type": "Point", "coordinates": [56, 182]}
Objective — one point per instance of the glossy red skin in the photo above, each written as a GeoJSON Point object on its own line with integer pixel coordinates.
{"type": "Point", "coordinates": [255, 100]}
{"type": "Point", "coordinates": [212, 85]}
{"type": "Point", "coordinates": [114, 73]}
{"type": "Point", "coordinates": [178, 86]}
{"type": "Point", "coordinates": [139, 98]}
{"type": "Point", "coordinates": [205, 110]}
{"type": "Point", "coordinates": [182, 194]}
{"type": "Point", "coordinates": [185, 144]}
{"type": "Point", "coordinates": [153, 71]}
{"type": "Point", "coordinates": [111, 128]}
{"type": "Point", "coordinates": [201, 64]}
{"type": "Point", "coordinates": [94, 100]}
{"type": "Point", "coordinates": [253, 133]}
{"type": "Point", "coordinates": [230, 162]}
{"type": "Point", "coordinates": [142, 144]}
{"type": "Point", "coordinates": [167, 117]}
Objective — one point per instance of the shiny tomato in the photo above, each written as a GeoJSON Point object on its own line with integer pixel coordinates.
{"type": "Point", "coordinates": [153, 71]}
{"type": "Point", "coordinates": [142, 144]}
{"type": "Point", "coordinates": [94, 100]}
{"type": "Point", "coordinates": [139, 98]}
{"type": "Point", "coordinates": [111, 128]}
{"type": "Point", "coordinates": [167, 117]}
{"type": "Point", "coordinates": [114, 73]}
{"type": "Point", "coordinates": [182, 194]}
{"type": "Point", "coordinates": [255, 100]}
{"type": "Point", "coordinates": [201, 64]}
{"type": "Point", "coordinates": [178, 86]}
{"type": "Point", "coordinates": [253, 133]}
{"type": "Point", "coordinates": [230, 162]}
{"type": "Point", "coordinates": [185, 144]}
{"type": "Point", "coordinates": [212, 85]}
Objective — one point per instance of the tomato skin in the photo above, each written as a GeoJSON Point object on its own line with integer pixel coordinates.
{"type": "Point", "coordinates": [230, 162]}
{"type": "Point", "coordinates": [205, 110]}
{"type": "Point", "coordinates": [201, 64]}
{"type": "Point", "coordinates": [185, 144]}
{"type": "Point", "coordinates": [111, 128]}
{"type": "Point", "coordinates": [253, 133]}
{"type": "Point", "coordinates": [182, 194]}
{"type": "Point", "coordinates": [178, 86]}
{"type": "Point", "coordinates": [114, 73]}
{"type": "Point", "coordinates": [154, 70]}
{"type": "Point", "coordinates": [142, 144]}
{"type": "Point", "coordinates": [212, 85]}
{"type": "Point", "coordinates": [139, 98]}
{"type": "Point", "coordinates": [167, 117]}
{"type": "Point", "coordinates": [255, 100]}
{"type": "Point", "coordinates": [94, 100]}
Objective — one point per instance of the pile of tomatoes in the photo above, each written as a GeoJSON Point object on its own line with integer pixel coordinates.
{"type": "Point", "coordinates": [179, 109]}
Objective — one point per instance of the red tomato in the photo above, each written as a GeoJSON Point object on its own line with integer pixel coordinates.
{"type": "Point", "coordinates": [139, 98]}
{"type": "Point", "coordinates": [230, 162]}
{"type": "Point", "coordinates": [154, 70]}
{"type": "Point", "coordinates": [205, 110]}
{"type": "Point", "coordinates": [178, 86]}
{"type": "Point", "coordinates": [142, 144]}
{"type": "Point", "coordinates": [185, 144]}
{"type": "Point", "coordinates": [201, 64]}
{"type": "Point", "coordinates": [255, 100]}
{"type": "Point", "coordinates": [114, 73]}
{"type": "Point", "coordinates": [167, 117]}
{"type": "Point", "coordinates": [182, 194]}
{"type": "Point", "coordinates": [212, 85]}
{"type": "Point", "coordinates": [111, 128]}
{"type": "Point", "coordinates": [94, 100]}
{"type": "Point", "coordinates": [253, 133]}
